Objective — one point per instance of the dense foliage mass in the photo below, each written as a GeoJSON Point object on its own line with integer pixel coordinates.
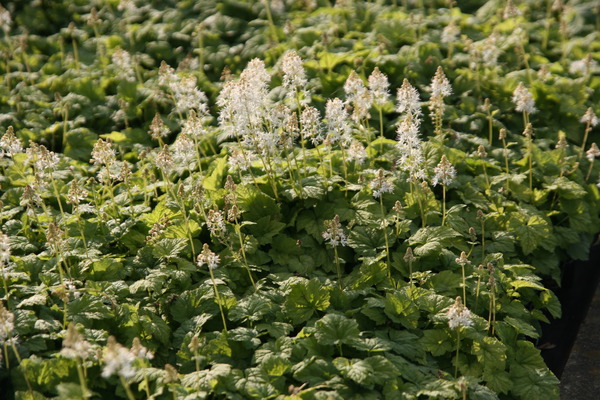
{"type": "Point", "coordinates": [291, 200]}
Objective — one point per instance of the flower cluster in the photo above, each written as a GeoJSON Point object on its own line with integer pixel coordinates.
{"type": "Point", "coordinates": [10, 144]}
{"type": "Point", "coordinates": [75, 346]}
{"type": "Point", "coordinates": [459, 315]}
{"type": "Point", "coordinates": [118, 360]}
{"type": "Point", "coordinates": [444, 173]}
{"type": "Point", "coordinates": [523, 100]}
{"type": "Point", "coordinates": [208, 257]}
{"type": "Point", "coordinates": [294, 76]}
{"type": "Point", "coordinates": [359, 96]}
{"type": "Point", "coordinates": [379, 87]}
{"type": "Point", "coordinates": [334, 234]}
{"type": "Point", "coordinates": [381, 184]}
{"type": "Point", "coordinates": [7, 323]}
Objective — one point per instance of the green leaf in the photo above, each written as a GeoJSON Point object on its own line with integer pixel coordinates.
{"type": "Point", "coordinates": [399, 307]}
{"type": "Point", "coordinates": [251, 308]}
{"type": "Point", "coordinates": [437, 341]}
{"type": "Point", "coordinates": [536, 233]}
{"type": "Point", "coordinates": [566, 188]}
{"type": "Point", "coordinates": [440, 389]}
{"type": "Point", "coordinates": [314, 370]}
{"type": "Point", "coordinates": [169, 247]}
{"type": "Point", "coordinates": [498, 380]}
{"type": "Point", "coordinates": [304, 299]}
{"type": "Point", "coordinates": [336, 329]}
{"type": "Point", "coordinates": [522, 327]}
{"type": "Point", "coordinates": [490, 352]}
{"type": "Point", "coordinates": [214, 178]}
{"type": "Point", "coordinates": [274, 365]}
{"type": "Point", "coordinates": [430, 240]}
{"type": "Point", "coordinates": [534, 383]}
{"type": "Point", "coordinates": [367, 372]}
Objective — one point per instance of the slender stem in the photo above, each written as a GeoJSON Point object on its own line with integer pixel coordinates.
{"type": "Point", "coordinates": [457, 349]}
{"type": "Point", "coordinates": [239, 233]}
{"type": "Point", "coordinates": [531, 166]}
{"type": "Point", "coordinates": [387, 243]}
{"type": "Point", "coordinates": [381, 129]}
{"type": "Point", "coordinates": [587, 176]}
{"type": "Point", "coordinates": [443, 204]}
{"type": "Point", "coordinates": [464, 284]}
{"type": "Point", "coordinates": [82, 381]}
{"type": "Point", "coordinates": [588, 128]}
{"type": "Point", "coordinates": [218, 296]}
{"type": "Point", "coordinates": [130, 395]}
{"type": "Point", "coordinates": [506, 164]}
{"type": "Point", "coordinates": [339, 269]}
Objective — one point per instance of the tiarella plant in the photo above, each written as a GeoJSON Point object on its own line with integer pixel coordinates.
{"type": "Point", "coordinates": [223, 199]}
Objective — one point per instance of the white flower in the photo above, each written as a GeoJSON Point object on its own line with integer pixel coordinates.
{"type": "Point", "coordinates": [337, 121]}
{"type": "Point", "coordinates": [75, 346]}
{"type": "Point", "coordinates": [450, 33]}
{"type": "Point", "coordinates": [193, 126]}
{"type": "Point", "coordinates": [358, 94]}
{"type": "Point", "coordinates": [164, 160]}
{"type": "Point", "coordinates": [7, 323]}
{"type": "Point", "coordinates": [356, 152]}
{"type": "Point", "coordinates": [121, 59]}
{"type": "Point", "coordinates": [158, 129]}
{"type": "Point", "coordinates": [184, 152]}
{"type": "Point", "coordinates": [334, 234]}
{"type": "Point", "coordinates": [4, 248]}
{"type": "Point", "coordinates": [593, 152]}
{"type": "Point", "coordinates": [408, 99]}
{"type": "Point", "coordinates": [589, 117]}
{"type": "Point", "coordinates": [215, 222]}
{"type": "Point", "coordinates": [294, 76]}
{"type": "Point", "coordinates": [103, 153]}
{"type": "Point", "coordinates": [188, 97]}
{"type": "Point", "coordinates": [245, 102]}
{"type": "Point", "coordinates": [583, 67]}
{"type": "Point", "coordinates": [117, 360]}
{"type": "Point", "coordinates": [462, 260]}
{"type": "Point", "coordinates": [523, 100]}
{"type": "Point", "coordinates": [241, 159]}
{"type": "Point", "coordinates": [381, 185]}
{"type": "Point", "coordinates": [208, 257]}
{"type": "Point", "coordinates": [459, 315]}
{"type": "Point", "coordinates": [139, 351]}
{"type": "Point", "coordinates": [444, 173]}
{"type": "Point", "coordinates": [5, 19]}
{"type": "Point", "coordinates": [440, 85]}
{"type": "Point", "coordinates": [10, 144]}
{"type": "Point", "coordinates": [409, 146]}
{"type": "Point", "coordinates": [379, 87]}
{"type": "Point", "coordinates": [312, 129]}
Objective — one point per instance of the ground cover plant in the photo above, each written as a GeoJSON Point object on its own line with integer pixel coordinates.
{"type": "Point", "coordinates": [291, 200]}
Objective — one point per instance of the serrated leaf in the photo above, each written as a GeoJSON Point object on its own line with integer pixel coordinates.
{"type": "Point", "coordinates": [437, 342]}
{"type": "Point", "coordinates": [566, 188]}
{"type": "Point", "coordinates": [169, 247]}
{"type": "Point", "coordinates": [367, 372]}
{"type": "Point", "coordinates": [399, 307]}
{"type": "Point", "coordinates": [498, 380]}
{"type": "Point", "coordinates": [274, 365]}
{"type": "Point", "coordinates": [490, 352]}
{"type": "Point", "coordinates": [534, 383]}
{"type": "Point", "coordinates": [304, 299]}
{"type": "Point", "coordinates": [534, 234]}
{"type": "Point", "coordinates": [336, 329]}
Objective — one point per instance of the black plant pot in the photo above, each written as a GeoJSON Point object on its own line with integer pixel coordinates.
{"type": "Point", "coordinates": [578, 285]}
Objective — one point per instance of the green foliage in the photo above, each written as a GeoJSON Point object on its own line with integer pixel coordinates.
{"type": "Point", "coordinates": [308, 295]}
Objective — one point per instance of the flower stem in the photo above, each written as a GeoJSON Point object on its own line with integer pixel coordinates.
{"type": "Point", "coordinates": [219, 301]}
{"type": "Point", "coordinates": [339, 269]}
